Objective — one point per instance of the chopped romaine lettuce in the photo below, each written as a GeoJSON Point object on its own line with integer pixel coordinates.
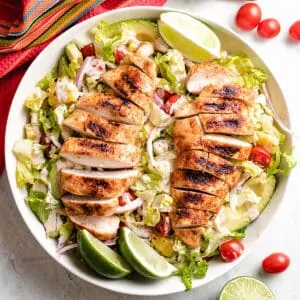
{"type": "Point", "coordinates": [24, 174]}
{"type": "Point", "coordinates": [248, 75]}
{"type": "Point", "coordinates": [152, 216]}
{"type": "Point", "coordinates": [66, 229]}
{"type": "Point", "coordinates": [53, 179]}
{"type": "Point", "coordinates": [158, 117]}
{"type": "Point", "coordinates": [39, 207]}
{"type": "Point", "coordinates": [251, 168]}
{"type": "Point", "coordinates": [286, 159]}
{"type": "Point", "coordinates": [44, 83]}
{"type": "Point", "coordinates": [172, 69]}
{"type": "Point", "coordinates": [36, 99]}
{"type": "Point", "coordinates": [33, 132]}
{"type": "Point", "coordinates": [148, 181]}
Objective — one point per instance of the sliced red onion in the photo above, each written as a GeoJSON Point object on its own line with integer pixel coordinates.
{"type": "Point", "coordinates": [158, 101]}
{"type": "Point", "coordinates": [140, 231]}
{"type": "Point", "coordinates": [111, 242]}
{"type": "Point", "coordinates": [61, 242]}
{"type": "Point", "coordinates": [82, 70]}
{"type": "Point", "coordinates": [131, 206]}
{"type": "Point", "coordinates": [66, 248]}
{"type": "Point", "coordinates": [276, 116]}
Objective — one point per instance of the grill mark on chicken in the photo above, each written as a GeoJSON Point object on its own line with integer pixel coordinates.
{"type": "Point", "coordinates": [132, 82]}
{"type": "Point", "coordinates": [197, 177]}
{"type": "Point", "coordinates": [220, 169]}
{"type": "Point", "coordinates": [226, 91]}
{"type": "Point", "coordinates": [99, 146]}
{"type": "Point", "coordinates": [233, 123]}
{"type": "Point", "coordinates": [224, 150]}
{"type": "Point", "coordinates": [100, 131]}
{"type": "Point", "coordinates": [95, 184]}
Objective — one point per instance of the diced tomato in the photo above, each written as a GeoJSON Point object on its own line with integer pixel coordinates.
{"type": "Point", "coordinates": [164, 226]}
{"type": "Point", "coordinates": [122, 202]}
{"type": "Point", "coordinates": [173, 99]}
{"type": "Point", "coordinates": [131, 195]}
{"type": "Point", "coordinates": [119, 55]}
{"type": "Point", "coordinates": [88, 50]}
{"type": "Point", "coordinates": [261, 156]}
{"type": "Point", "coordinates": [164, 94]}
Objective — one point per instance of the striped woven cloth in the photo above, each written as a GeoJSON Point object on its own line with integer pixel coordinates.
{"type": "Point", "coordinates": [28, 26]}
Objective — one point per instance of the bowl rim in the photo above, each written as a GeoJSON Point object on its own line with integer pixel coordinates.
{"type": "Point", "coordinates": [11, 173]}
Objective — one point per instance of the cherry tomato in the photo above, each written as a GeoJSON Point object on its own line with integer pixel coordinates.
{"type": "Point", "coordinates": [164, 226]}
{"type": "Point", "coordinates": [88, 50]}
{"type": "Point", "coordinates": [119, 55]}
{"type": "Point", "coordinates": [171, 100]}
{"type": "Point", "coordinates": [261, 156]}
{"type": "Point", "coordinates": [268, 28]}
{"type": "Point", "coordinates": [248, 16]}
{"type": "Point", "coordinates": [122, 202]}
{"type": "Point", "coordinates": [295, 31]}
{"type": "Point", "coordinates": [231, 250]}
{"type": "Point", "coordinates": [276, 263]}
{"type": "Point", "coordinates": [164, 94]}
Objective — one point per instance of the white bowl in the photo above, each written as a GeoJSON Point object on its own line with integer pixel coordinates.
{"type": "Point", "coordinates": [14, 131]}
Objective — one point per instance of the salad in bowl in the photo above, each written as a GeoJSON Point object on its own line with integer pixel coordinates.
{"type": "Point", "coordinates": [146, 148]}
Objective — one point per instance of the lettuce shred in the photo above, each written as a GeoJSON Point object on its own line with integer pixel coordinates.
{"type": "Point", "coordinates": [248, 75]}
{"type": "Point", "coordinates": [282, 163]}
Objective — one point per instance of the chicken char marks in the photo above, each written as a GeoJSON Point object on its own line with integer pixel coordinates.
{"type": "Point", "coordinates": [109, 128]}
{"type": "Point", "coordinates": [206, 134]}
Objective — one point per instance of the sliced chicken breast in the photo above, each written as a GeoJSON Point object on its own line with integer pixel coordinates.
{"type": "Point", "coordinates": [223, 169]}
{"type": "Point", "coordinates": [90, 206]}
{"type": "Point", "coordinates": [226, 146]}
{"type": "Point", "coordinates": [212, 106]}
{"type": "Point", "coordinates": [230, 91]}
{"type": "Point", "coordinates": [187, 131]}
{"type": "Point", "coordinates": [144, 63]}
{"type": "Point", "coordinates": [208, 73]}
{"type": "Point", "coordinates": [196, 200]}
{"type": "Point", "coordinates": [132, 84]}
{"type": "Point", "coordinates": [106, 184]}
{"type": "Point", "coordinates": [112, 108]}
{"type": "Point", "coordinates": [185, 217]}
{"type": "Point", "coordinates": [98, 127]}
{"type": "Point", "coordinates": [192, 159]}
{"type": "Point", "coordinates": [235, 124]}
{"type": "Point", "coordinates": [199, 181]}
{"type": "Point", "coordinates": [190, 236]}
{"type": "Point", "coordinates": [99, 154]}
{"type": "Point", "coordinates": [102, 227]}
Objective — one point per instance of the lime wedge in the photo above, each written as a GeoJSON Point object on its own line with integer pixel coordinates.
{"type": "Point", "coordinates": [100, 257]}
{"type": "Point", "coordinates": [191, 37]}
{"type": "Point", "coordinates": [246, 288]}
{"type": "Point", "coordinates": [144, 259]}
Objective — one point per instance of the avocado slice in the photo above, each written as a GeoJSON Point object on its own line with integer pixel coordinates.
{"type": "Point", "coordinates": [264, 187]}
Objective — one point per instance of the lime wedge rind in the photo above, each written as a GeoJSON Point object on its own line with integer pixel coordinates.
{"type": "Point", "coordinates": [246, 288]}
{"type": "Point", "coordinates": [100, 257]}
{"type": "Point", "coordinates": [143, 258]}
{"type": "Point", "coordinates": [195, 40]}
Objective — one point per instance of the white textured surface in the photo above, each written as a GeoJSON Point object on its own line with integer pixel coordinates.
{"type": "Point", "coordinates": [26, 272]}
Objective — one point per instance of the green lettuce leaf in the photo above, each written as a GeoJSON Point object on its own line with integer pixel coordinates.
{"type": "Point", "coordinates": [44, 83]}
{"type": "Point", "coordinates": [152, 216]}
{"type": "Point", "coordinates": [285, 159]}
{"type": "Point", "coordinates": [36, 99]}
{"type": "Point", "coordinates": [54, 180]}
{"type": "Point", "coordinates": [66, 229]}
{"type": "Point", "coordinates": [39, 208]}
{"type": "Point", "coordinates": [24, 174]}
{"type": "Point", "coordinates": [248, 75]}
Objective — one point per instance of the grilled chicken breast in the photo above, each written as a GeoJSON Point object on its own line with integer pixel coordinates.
{"type": "Point", "coordinates": [199, 181]}
{"type": "Point", "coordinates": [98, 127]}
{"type": "Point", "coordinates": [106, 184]}
{"type": "Point", "coordinates": [210, 163]}
{"type": "Point", "coordinates": [223, 169]}
{"type": "Point", "coordinates": [186, 217]}
{"type": "Point", "coordinates": [229, 91]}
{"type": "Point", "coordinates": [99, 154]}
{"type": "Point", "coordinates": [103, 227]}
{"type": "Point", "coordinates": [196, 200]}
{"type": "Point", "coordinates": [236, 124]}
{"type": "Point", "coordinates": [112, 108]}
{"type": "Point", "coordinates": [225, 146]}
{"type": "Point", "coordinates": [89, 206]}
{"type": "Point", "coordinates": [187, 131]}
{"type": "Point", "coordinates": [212, 106]}
{"type": "Point", "coordinates": [208, 73]}
{"type": "Point", "coordinates": [132, 84]}
{"type": "Point", "coordinates": [144, 63]}
{"type": "Point", "coordinates": [190, 236]}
